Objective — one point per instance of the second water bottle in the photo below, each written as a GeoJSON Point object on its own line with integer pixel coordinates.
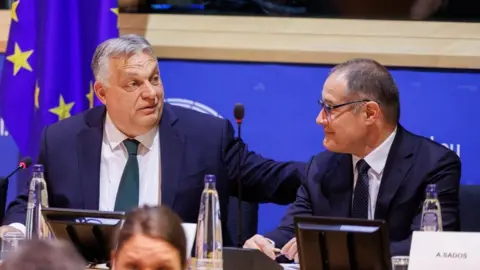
{"type": "Point", "coordinates": [209, 244]}
{"type": "Point", "coordinates": [431, 212]}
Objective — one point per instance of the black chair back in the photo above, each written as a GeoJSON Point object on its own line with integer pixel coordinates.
{"type": "Point", "coordinates": [249, 220]}
{"type": "Point", "coordinates": [3, 198]}
{"type": "Point", "coordinates": [469, 208]}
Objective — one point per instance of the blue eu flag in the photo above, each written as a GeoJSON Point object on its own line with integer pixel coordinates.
{"type": "Point", "coordinates": [46, 75]}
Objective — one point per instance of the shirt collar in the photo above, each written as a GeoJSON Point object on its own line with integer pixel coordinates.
{"type": "Point", "coordinates": [378, 157]}
{"type": "Point", "coordinates": [115, 137]}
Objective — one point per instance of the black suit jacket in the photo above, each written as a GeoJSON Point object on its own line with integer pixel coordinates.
{"type": "Point", "coordinates": [192, 144]}
{"type": "Point", "coordinates": [413, 162]}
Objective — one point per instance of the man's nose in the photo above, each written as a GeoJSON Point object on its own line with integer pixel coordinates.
{"type": "Point", "coordinates": [322, 118]}
{"type": "Point", "coordinates": [149, 91]}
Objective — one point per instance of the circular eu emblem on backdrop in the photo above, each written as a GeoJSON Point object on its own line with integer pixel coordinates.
{"type": "Point", "coordinates": [193, 105]}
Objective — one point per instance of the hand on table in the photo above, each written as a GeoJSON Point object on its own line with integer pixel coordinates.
{"type": "Point", "coordinates": [267, 246]}
{"type": "Point", "coordinates": [290, 250]}
{"type": "Point", "coordinates": [261, 243]}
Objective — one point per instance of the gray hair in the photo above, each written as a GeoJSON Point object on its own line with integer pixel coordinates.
{"type": "Point", "coordinates": [368, 79]}
{"type": "Point", "coordinates": [44, 254]}
{"type": "Point", "coordinates": [123, 47]}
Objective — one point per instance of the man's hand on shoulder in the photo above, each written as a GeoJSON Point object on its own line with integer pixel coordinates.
{"type": "Point", "coordinates": [6, 228]}
{"type": "Point", "coordinates": [261, 243]}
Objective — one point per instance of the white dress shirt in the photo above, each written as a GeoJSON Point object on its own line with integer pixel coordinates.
{"type": "Point", "coordinates": [113, 159]}
{"type": "Point", "coordinates": [376, 160]}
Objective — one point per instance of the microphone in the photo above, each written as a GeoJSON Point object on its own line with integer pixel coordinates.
{"type": "Point", "coordinates": [239, 113]}
{"type": "Point", "coordinates": [23, 164]}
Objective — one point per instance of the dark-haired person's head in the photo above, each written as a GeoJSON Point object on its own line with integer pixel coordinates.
{"type": "Point", "coordinates": [360, 107]}
{"type": "Point", "coordinates": [150, 238]}
{"type": "Point", "coordinates": [42, 255]}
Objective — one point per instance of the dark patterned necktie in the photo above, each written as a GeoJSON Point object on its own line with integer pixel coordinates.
{"type": "Point", "coordinates": [361, 194]}
{"type": "Point", "coordinates": [127, 195]}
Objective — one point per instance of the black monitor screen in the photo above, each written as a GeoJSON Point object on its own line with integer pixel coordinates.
{"type": "Point", "coordinates": [342, 243]}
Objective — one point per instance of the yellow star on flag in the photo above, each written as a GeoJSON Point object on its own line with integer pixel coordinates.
{"type": "Point", "coordinates": [13, 10]}
{"type": "Point", "coordinates": [115, 10]}
{"type": "Point", "coordinates": [20, 59]}
{"type": "Point", "coordinates": [90, 96]}
{"type": "Point", "coordinates": [37, 94]}
{"type": "Point", "coordinates": [63, 109]}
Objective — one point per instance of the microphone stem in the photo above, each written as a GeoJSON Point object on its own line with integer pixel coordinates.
{"type": "Point", "coordinates": [239, 182]}
{"type": "Point", "coordinates": [4, 181]}
{"type": "Point", "coordinates": [12, 173]}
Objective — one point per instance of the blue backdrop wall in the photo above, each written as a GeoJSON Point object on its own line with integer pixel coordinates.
{"type": "Point", "coordinates": [281, 107]}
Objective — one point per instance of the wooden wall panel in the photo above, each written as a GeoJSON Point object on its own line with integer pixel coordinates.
{"type": "Point", "coordinates": [301, 40]}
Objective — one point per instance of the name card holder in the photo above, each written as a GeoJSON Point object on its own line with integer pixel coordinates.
{"type": "Point", "coordinates": [445, 251]}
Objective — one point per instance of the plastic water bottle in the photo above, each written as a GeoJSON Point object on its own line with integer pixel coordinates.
{"type": "Point", "coordinates": [431, 212]}
{"type": "Point", "coordinates": [37, 198]}
{"type": "Point", "coordinates": [209, 244]}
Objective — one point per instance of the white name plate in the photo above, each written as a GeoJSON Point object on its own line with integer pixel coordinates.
{"type": "Point", "coordinates": [445, 251]}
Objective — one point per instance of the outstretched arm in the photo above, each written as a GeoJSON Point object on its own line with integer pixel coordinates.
{"type": "Point", "coordinates": [263, 179]}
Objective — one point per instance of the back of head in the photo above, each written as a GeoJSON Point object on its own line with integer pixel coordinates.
{"type": "Point", "coordinates": [368, 79]}
{"type": "Point", "coordinates": [44, 255]}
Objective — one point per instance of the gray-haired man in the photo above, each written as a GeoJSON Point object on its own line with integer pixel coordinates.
{"type": "Point", "coordinates": [137, 150]}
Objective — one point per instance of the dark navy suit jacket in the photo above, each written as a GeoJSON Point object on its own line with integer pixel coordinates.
{"type": "Point", "coordinates": [192, 144]}
{"type": "Point", "coordinates": [412, 163]}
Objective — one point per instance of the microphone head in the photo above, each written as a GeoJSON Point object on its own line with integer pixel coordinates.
{"type": "Point", "coordinates": [239, 111]}
{"type": "Point", "coordinates": [25, 162]}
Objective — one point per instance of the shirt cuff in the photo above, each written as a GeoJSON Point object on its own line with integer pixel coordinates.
{"type": "Point", "coordinates": [18, 226]}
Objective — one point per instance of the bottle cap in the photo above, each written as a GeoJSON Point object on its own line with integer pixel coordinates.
{"type": "Point", "coordinates": [210, 178]}
{"type": "Point", "coordinates": [38, 168]}
{"type": "Point", "coordinates": [431, 188]}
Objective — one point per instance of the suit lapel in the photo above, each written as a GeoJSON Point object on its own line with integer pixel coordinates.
{"type": "Point", "coordinates": [399, 162]}
{"type": "Point", "coordinates": [172, 145]}
{"type": "Point", "coordinates": [341, 186]}
{"type": "Point", "coordinates": [89, 148]}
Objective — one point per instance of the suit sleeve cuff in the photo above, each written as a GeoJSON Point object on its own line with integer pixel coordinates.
{"type": "Point", "coordinates": [270, 241]}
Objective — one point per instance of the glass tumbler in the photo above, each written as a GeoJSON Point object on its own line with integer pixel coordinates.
{"type": "Point", "coordinates": [10, 242]}
{"type": "Point", "coordinates": [400, 263]}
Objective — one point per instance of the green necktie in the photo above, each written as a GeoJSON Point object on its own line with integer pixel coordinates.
{"type": "Point", "coordinates": [127, 195]}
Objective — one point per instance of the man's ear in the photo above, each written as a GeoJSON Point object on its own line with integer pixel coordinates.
{"type": "Point", "coordinates": [100, 89]}
{"type": "Point", "coordinates": [372, 111]}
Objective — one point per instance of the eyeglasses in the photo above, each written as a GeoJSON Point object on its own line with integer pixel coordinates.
{"type": "Point", "coordinates": [329, 108]}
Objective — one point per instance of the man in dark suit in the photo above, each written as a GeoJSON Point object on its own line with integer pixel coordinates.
{"type": "Point", "coordinates": [373, 168]}
{"type": "Point", "coordinates": [137, 150]}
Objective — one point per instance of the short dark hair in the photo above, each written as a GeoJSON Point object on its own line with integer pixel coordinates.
{"type": "Point", "coordinates": [158, 222]}
{"type": "Point", "coordinates": [366, 78]}
{"type": "Point", "coordinates": [44, 254]}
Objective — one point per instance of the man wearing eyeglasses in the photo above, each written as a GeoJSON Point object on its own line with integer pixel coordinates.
{"type": "Point", "coordinates": [373, 168]}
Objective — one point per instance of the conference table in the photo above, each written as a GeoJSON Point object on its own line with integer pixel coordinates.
{"type": "Point", "coordinates": [191, 266]}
